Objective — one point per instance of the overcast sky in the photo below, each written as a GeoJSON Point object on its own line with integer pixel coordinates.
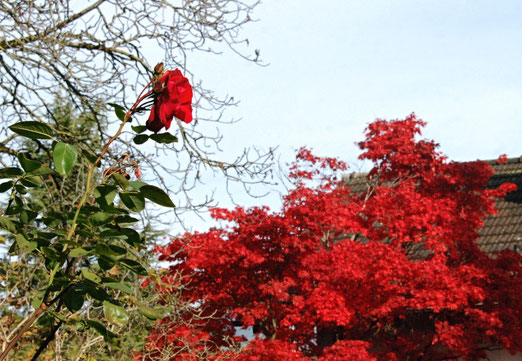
{"type": "Point", "coordinates": [337, 66]}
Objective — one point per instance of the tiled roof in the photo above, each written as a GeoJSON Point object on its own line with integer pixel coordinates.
{"type": "Point", "coordinates": [502, 230]}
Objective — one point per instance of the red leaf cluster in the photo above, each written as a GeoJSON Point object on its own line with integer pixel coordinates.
{"type": "Point", "coordinates": [389, 273]}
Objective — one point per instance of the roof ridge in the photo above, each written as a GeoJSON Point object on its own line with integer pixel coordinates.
{"type": "Point", "coordinates": [506, 161]}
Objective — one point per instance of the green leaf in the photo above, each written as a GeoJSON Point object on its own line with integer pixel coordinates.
{"type": "Point", "coordinates": [43, 170]}
{"type": "Point", "coordinates": [119, 286]}
{"type": "Point", "coordinates": [25, 245]}
{"type": "Point", "coordinates": [36, 303]}
{"type": "Point", "coordinates": [12, 249]}
{"type": "Point", "coordinates": [20, 189]}
{"type": "Point", "coordinates": [106, 263]}
{"type": "Point", "coordinates": [165, 138]}
{"type": "Point", "coordinates": [97, 293]}
{"type": "Point", "coordinates": [137, 184]}
{"type": "Point", "coordinates": [64, 157]}
{"type": "Point", "coordinates": [78, 252]}
{"type": "Point", "coordinates": [100, 328]}
{"type": "Point", "coordinates": [51, 221]}
{"type": "Point", "coordinates": [37, 204]}
{"type": "Point", "coordinates": [5, 223]}
{"type": "Point", "coordinates": [125, 219]}
{"type": "Point", "coordinates": [33, 130]}
{"type": "Point", "coordinates": [140, 138]}
{"type": "Point", "coordinates": [112, 233]}
{"type": "Point", "coordinates": [90, 156]}
{"type": "Point", "coordinates": [156, 195]}
{"type": "Point", "coordinates": [6, 186]}
{"type": "Point", "coordinates": [133, 200]}
{"type": "Point", "coordinates": [133, 237]}
{"type": "Point", "coordinates": [27, 216]}
{"type": "Point", "coordinates": [121, 180]}
{"type": "Point", "coordinates": [149, 312]}
{"type": "Point", "coordinates": [90, 275]}
{"type": "Point", "coordinates": [100, 218]}
{"type": "Point", "coordinates": [47, 235]}
{"type": "Point", "coordinates": [104, 250]}
{"type": "Point", "coordinates": [15, 207]}
{"type": "Point", "coordinates": [117, 250]}
{"type": "Point", "coordinates": [52, 254]}
{"type": "Point", "coordinates": [73, 300]}
{"type": "Point", "coordinates": [119, 111]}
{"type": "Point", "coordinates": [31, 182]}
{"type": "Point", "coordinates": [134, 266]}
{"type": "Point", "coordinates": [115, 314]}
{"type": "Point", "coordinates": [10, 172]}
{"type": "Point", "coordinates": [27, 163]}
{"type": "Point", "coordinates": [54, 268]}
{"type": "Point", "coordinates": [139, 128]}
{"type": "Point", "coordinates": [105, 195]}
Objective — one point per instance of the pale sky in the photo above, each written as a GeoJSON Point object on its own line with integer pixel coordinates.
{"type": "Point", "coordinates": [335, 67]}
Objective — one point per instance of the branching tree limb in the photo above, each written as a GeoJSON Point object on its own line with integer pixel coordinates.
{"type": "Point", "coordinates": [88, 52]}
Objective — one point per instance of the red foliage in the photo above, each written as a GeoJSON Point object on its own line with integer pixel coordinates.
{"type": "Point", "coordinates": [271, 350]}
{"type": "Point", "coordinates": [390, 273]}
{"type": "Point", "coordinates": [502, 159]}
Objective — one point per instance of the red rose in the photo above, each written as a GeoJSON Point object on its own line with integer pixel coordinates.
{"type": "Point", "coordinates": [173, 99]}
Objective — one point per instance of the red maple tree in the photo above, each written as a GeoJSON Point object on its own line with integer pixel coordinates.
{"type": "Point", "coordinates": [389, 273]}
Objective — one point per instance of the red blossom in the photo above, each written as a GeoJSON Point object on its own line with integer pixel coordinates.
{"type": "Point", "coordinates": [173, 97]}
